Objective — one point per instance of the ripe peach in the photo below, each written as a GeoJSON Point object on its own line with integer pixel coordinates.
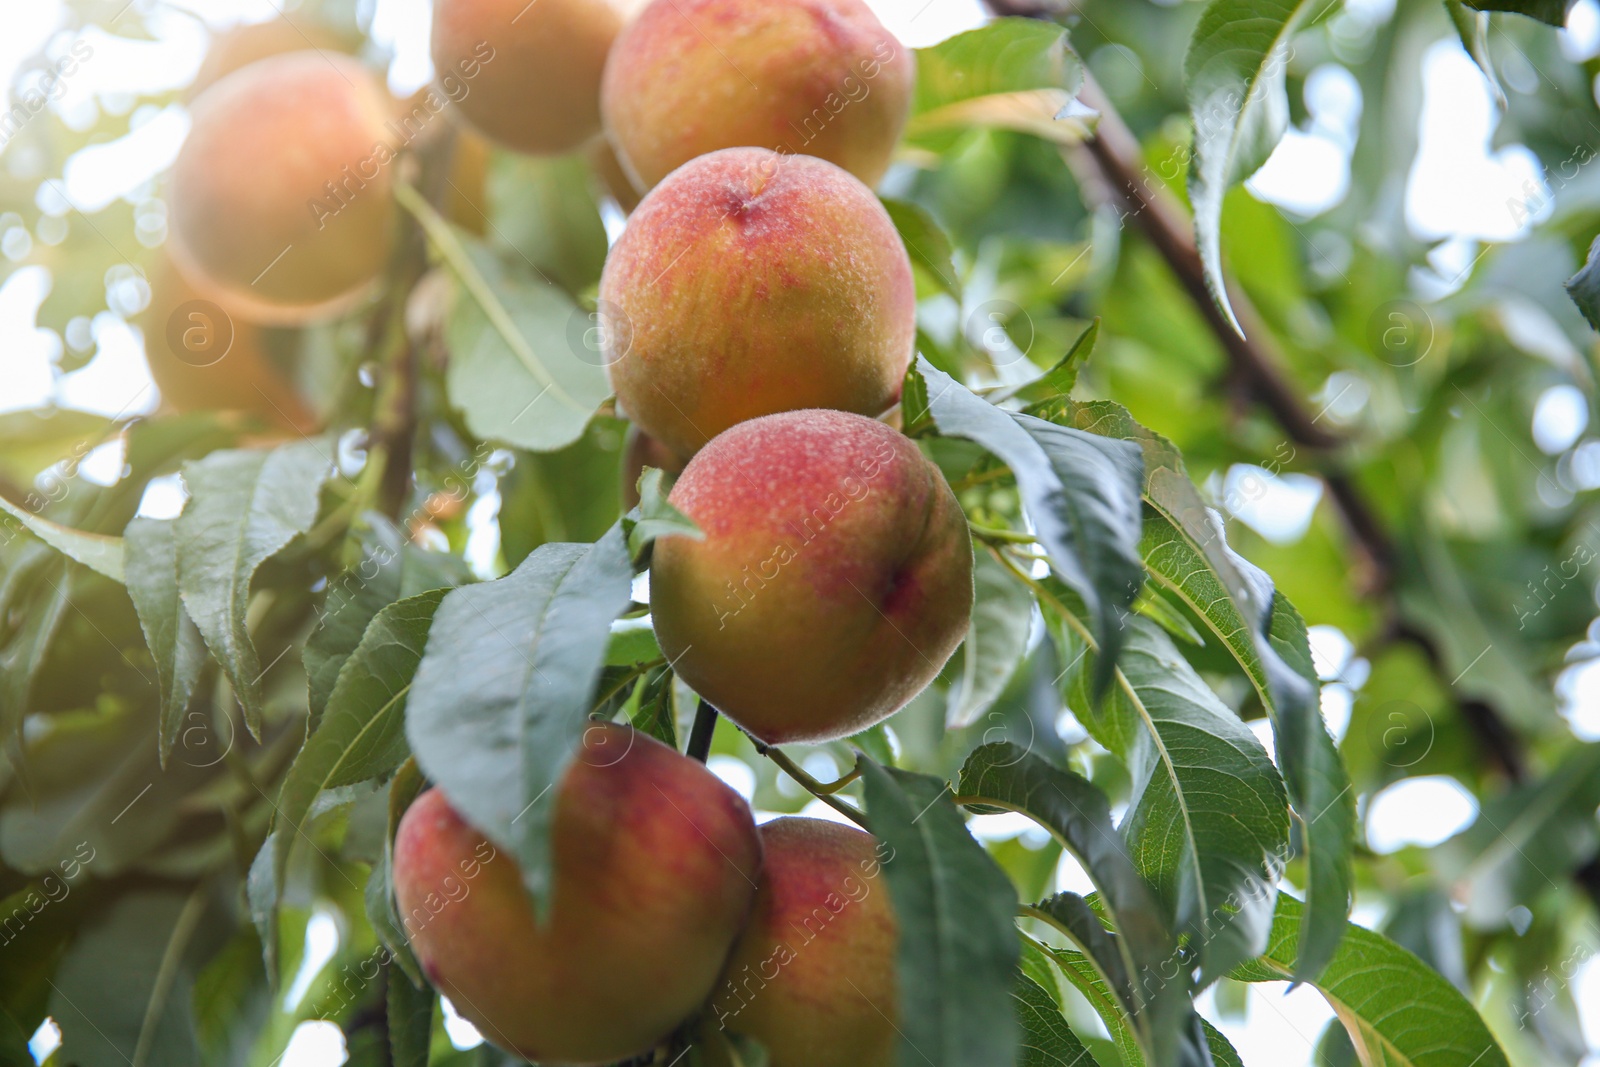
{"type": "Point", "coordinates": [242, 45]}
{"type": "Point", "coordinates": [202, 359]}
{"type": "Point", "coordinates": [656, 864]}
{"type": "Point", "coordinates": [531, 71]}
{"type": "Point", "coordinates": [834, 580]}
{"type": "Point", "coordinates": [819, 77]}
{"type": "Point", "coordinates": [280, 197]}
{"type": "Point", "coordinates": [813, 977]}
{"type": "Point", "coordinates": [749, 283]}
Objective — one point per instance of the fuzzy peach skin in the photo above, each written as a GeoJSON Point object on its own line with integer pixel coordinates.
{"type": "Point", "coordinates": [834, 580]}
{"type": "Point", "coordinates": [530, 71]}
{"type": "Point", "coordinates": [813, 977]}
{"type": "Point", "coordinates": [280, 200]}
{"type": "Point", "coordinates": [749, 283]}
{"type": "Point", "coordinates": [656, 865]}
{"type": "Point", "coordinates": [244, 379]}
{"type": "Point", "coordinates": [815, 77]}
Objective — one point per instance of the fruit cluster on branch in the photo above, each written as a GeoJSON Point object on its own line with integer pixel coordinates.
{"type": "Point", "coordinates": [759, 315]}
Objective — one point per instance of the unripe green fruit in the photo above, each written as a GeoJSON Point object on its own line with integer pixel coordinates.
{"type": "Point", "coordinates": [813, 977]}
{"type": "Point", "coordinates": [281, 206]}
{"type": "Point", "coordinates": [749, 283]}
{"type": "Point", "coordinates": [656, 862]}
{"type": "Point", "coordinates": [818, 77]}
{"type": "Point", "coordinates": [526, 74]}
{"type": "Point", "coordinates": [834, 580]}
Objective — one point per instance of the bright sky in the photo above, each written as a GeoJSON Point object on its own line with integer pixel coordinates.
{"type": "Point", "coordinates": [1457, 194]}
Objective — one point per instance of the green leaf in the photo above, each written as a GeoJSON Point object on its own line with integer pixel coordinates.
{"type": "Point", "coordinates": [1584, 286]}
{"type": "Point", "coordinates": [515, 371]}
{"type": "Point", "coordinates": [1004, 775]}
{"type": "Point", "coordinates": [632, 641]}
{"type": "Point", "coordinates": [1234, 74]}
{"type": "Point", "coordinates": [1059, 380]}
{"type": "Point", "coordinates": [926, 243]}
{"type": "Point", "coordinates": [1081, 490]}
{"type": "Point", "coordinates": [1047, 1040]}
{"type": "Point", "coordinates": [390, 570]}
{"type": "Point", "coordinates": [244, 507]}
{"type": "Point", "coordinates": [1186, 553]}
{"type": "Point", "coordinates": [657, 517]}
{"type": "Point", "coordinates": [545, 213]}
{"type": "Point", "coordinates": [652, 710]}
{"type": "Point", "coordinates": [37, 591]}
{"type": "Point", "coordinates": [32, 441]}
{"type": "Point", "coordinates": [101, 1009]}
{"type": "Point", "coordinates": [175, 644]}
{"type": "Point", "coordinates": [410, 1017]}
{"type": "Point", "coordinates": [997, 641]}
{"type": "Point", "coordinates": [362, 735]}
{"type": "Point", "coordinates": [1473, 29]}
{"type": "Point", "coordinates": [1086, 978]}
{"type": "Point", "coordinates": [504, 690]}
{"type": "Point", "coordinates": [1207, 821]}
{"type": "Point", "coordinates": [407, 783]}
{"type": "Point", "coordinates": [1018, 74]}
{"type": "Point", "coordinates": [1549, 12]}
{"type": "Point", "coordinates": [1398, 1011]}
{"type": "Point", "coordinates": [95, 551]}
{"type": "Point", "coordinates": [957, 960]}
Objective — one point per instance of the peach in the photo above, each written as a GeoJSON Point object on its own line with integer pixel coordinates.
{"type": "Point", "coordinates": [202, 359]}
{"type": "Point", "coordinates": [834, 580]}
{"type": "Point", "coordinates": [749, 283]}
{"type": "Point", "coordinates": [242, 45]}
{"type": "Point", "coordinates": [280, 198]}
{"type": "Point", "coordinates": [819, 77]}
{"type": "Point", "coordinates": [656, 864]}
{"type": "Point", "coordinates": [530, 71]}
{"type": "Point", "coordinates": [813, 977]}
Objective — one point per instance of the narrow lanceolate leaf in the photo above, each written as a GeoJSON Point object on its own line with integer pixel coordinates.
{"type": "Point", "coordinates": [1005, 775]}
{"type": "Point", "coordinates": [95, 551]}
{"type": "Point", "coordinates": [1207, 821]}
{"type": "Point", "coordinates": [1550, 12]}
{"type": "Point", "coordinates": [1193, 1040]}
{"type": "Point", "coordinates": [175, 644]}
{"type": "Point", "coordinates": [1473, 29]}
{"type": "Point", "coordinates": [380, 906]}
{"type": "Point", "coordinates": [410, 1022]}
{"type": "Point", "coordinates": [1047, 1040]}
{"type": "Point", "coordinates": [1185, 552]}
{"type": "Point", "coordinates": [244, 507]}
{"type": "Point", "coordinates": [389, 570]}
{"type": "Point", "coordinates": [957, 960]}
{"type": "Point", "coordinates": [501, 699]}
{"type": "Point", "coordinates": [656, 517]}
{"type": "Point", "coordinates": [519, 370]}
{"type": "Point", "coordinates": [1058, 380]}
{"type": "Point", "coordinates": [362, 734]}
{"type": "Point", "coordinates": [1081, 490]}
{"type": "Point", "coordinates": [997, 640]}
{"type": "Point", "coordinates": [1398, 1011]}
{"type": "Point", "coordinates": [1014, 73]}
{"type": "Point", "coordinates": [1234, 74]}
